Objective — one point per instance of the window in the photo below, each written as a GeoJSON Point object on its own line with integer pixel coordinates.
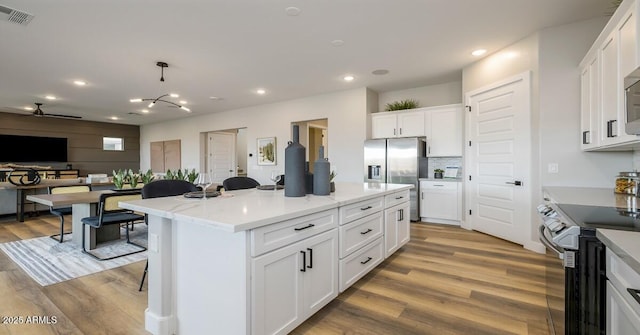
{"type": "Point", "coordinates": [113, 143]}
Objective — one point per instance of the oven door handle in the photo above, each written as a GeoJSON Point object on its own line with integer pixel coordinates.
{"type": "Point", "coordinates": [545, 240]}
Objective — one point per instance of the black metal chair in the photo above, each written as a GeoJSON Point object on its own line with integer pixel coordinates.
{"type": "Point", "coordinates": [164, 188]}
{"type": "Point", "coordinates": [62, 211]}
{"type": "Point", "coordinates": [239, 183]}
{"type": "Point", "coordinates": [109, 213]}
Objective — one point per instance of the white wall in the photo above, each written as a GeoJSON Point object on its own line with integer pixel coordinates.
{"type": "Point", "coordinates": [552, 55]}
{"type": "Point", "coordinates": [346, 112]}
{"type": "Point", "coordinates": [427, 96]}
{"type": "Point", "coordinates": [560, 134]}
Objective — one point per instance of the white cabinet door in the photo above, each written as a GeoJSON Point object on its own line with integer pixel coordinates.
{"type": "Point", "coordinates": [396, 227]}
{"type": "Point", "coordinates": [621, 318]}
{"type": "Point", "coordinates": [440, 200]}
{"type": "Point", "coordinates": [404, 224]}
{"type": "Point", "coordinates": [291, 283]}
{"type": "Point", "coordinates": [444, 131]}
{"type": "Point", "coordinates": [276, 290]}
{"type": "Point", "coordinates": [589, 106]}
{"type": "Point", "coordinates": [383, 125]}
{"type": "Point", "coordinates": [321, 276]}
{"type": "Point", "coordinates": [629, 45]}
{"type": "Point", "coordinates": [410, 124]}
{"type": "Point", "coordinates": [609, 91]}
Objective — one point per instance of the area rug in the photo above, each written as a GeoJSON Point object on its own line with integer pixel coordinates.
{"type": "Point", "coordinates": [49, 262]}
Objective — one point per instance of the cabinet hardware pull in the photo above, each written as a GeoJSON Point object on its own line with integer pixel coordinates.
{"type": "Point", "coordinates": [400, 131]}
{"type": "Point", "coordinates": [310, 266]}
{"type": "Point", "coordinates": [422, 195]}
{"type": "Point", "coordinates": [440, 185]}
{"type": "Point", "coordinates": [634, 293]}
{"type": "Point", "coordinates": [304, 261]}
{"type": "Point", "coordinates": [303, 228]}
{"type": "Point", "coordinates": [398, 198]}
{"type": "Point", "coordinates": [366, 232]}
{"type": "Point", "coordinates": [610, 128]}
{"type": "Point", "coordinates": [401, 214]}
{"type": "Point", "coordinates": [365, 208]}
{"type": "Point", "coordinates": [394, 131]}
{"type": "Point", "coordinates": [586, 137]}
{"type": "Point", "coordinates": [367, 261]}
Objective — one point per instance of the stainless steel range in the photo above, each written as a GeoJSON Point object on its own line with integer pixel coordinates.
{"type": "Point", "coordinates": [575, 267]}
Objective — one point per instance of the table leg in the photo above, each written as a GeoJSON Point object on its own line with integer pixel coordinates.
{"type": "Point", "coordinates": [92, 235]}
{"type": "Point", "coordinates": [20, 199]}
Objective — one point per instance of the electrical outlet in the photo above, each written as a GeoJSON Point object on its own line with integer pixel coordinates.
{"type": "Point", "coordinates": [553, 168]}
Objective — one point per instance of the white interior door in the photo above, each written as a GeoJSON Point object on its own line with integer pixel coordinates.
{"type": "Point", "coordinates": [499, 159]}
{"type": "Point", "coordinates": [221, 162]}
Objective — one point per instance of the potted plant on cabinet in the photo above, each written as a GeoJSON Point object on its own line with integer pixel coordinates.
{"type": "Point", "coordinates": [437, 173]}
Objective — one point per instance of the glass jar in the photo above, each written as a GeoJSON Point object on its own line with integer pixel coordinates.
{"type": "Point", "coordinates": [627, 183]}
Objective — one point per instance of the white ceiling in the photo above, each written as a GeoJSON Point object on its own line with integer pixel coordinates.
{"type": "Point", "coordinates": [230, 48]}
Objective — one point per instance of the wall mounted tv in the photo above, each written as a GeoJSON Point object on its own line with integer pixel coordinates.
{"type": "Point", "coordinates": [17, 148]}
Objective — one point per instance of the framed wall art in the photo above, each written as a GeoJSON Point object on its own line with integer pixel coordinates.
{"type": "Point", "coordinates": [267, 151]}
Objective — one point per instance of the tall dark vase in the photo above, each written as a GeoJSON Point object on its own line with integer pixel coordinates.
{"type": "Point", "coordinates": [294, 159]}
{"type": "Point", "coordinates": [321, 184]}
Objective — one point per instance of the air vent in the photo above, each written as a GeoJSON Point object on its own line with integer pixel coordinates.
{"type": "Point", "coordinates": [15, 16]}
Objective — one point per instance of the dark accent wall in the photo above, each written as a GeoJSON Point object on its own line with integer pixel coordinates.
{"type": "Point", "coordinates": [84, 150]}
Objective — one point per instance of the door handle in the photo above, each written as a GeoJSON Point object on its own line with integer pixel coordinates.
{"type": "Point", "coordinates": [516, 182]}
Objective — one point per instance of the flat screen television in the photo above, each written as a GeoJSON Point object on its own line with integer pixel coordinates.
{"type": "Point", "coordinates": [18, 148]}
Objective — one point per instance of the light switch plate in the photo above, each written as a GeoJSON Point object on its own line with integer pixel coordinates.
{"type": "Point", "coordinates": [553, 168]}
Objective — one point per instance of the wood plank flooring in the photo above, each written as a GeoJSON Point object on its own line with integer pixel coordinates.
{"type": "Point", "coordinates": [447, 280]}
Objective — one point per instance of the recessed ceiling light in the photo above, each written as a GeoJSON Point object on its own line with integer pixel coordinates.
{"type": "Point", "coordinates": [479, 52]}
{"type": "Point", "coordinates": [349, 78]}
{"type": "Point", "coordinates": [261, 91]}
{"type": "Point", "coordinates": [114, 118]}
{"type": "Point", "coordinates": [173, 95]}
{"type": "Point", "coordinates": [135, 100]}
{"type": "Point", "coordinates": [28, 108]}
{"type": "Point", "coordinates": [80, 82]}
{"type": "Point", "coordinates": [215, 98]}
{"type": "Point", "coordinates": [50, 97]}
{"type": "Point", "coordinates": [337, 43]}
{"type": "Point", "coordinates": [380, 72]}
{"type": "Point", "coordinates": [145, 111]}
{"type": "Point", "coordinates": [292, 11]}
{"type": "Point", "coordinates": [184, 102]}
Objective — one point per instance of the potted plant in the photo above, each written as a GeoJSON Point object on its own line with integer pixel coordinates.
{"type": "Point", "coordinates": [402, 104]}
{"type": "Point", "coordinates": [133, 178]}
{"type": "Point", "coordinates": [191, 176]}
{"type": "Point", "coordinates": [119, 178]}
{"type": "Point", "coordinates": [146, 177]}
{"type": "Point", "coordinates": [437, 173]}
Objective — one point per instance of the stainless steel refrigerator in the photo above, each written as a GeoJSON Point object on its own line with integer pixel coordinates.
{"type": "Point", "coordinates": [397, 161]}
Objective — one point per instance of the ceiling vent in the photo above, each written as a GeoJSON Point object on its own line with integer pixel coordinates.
{"type": "Point", "coordinates": [15, 16]}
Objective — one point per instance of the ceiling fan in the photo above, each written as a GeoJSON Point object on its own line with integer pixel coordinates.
{"type": "Point", "coordinates": [39, 113]}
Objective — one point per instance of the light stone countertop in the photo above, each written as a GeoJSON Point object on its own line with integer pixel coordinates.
{"type": "Point", "coordinates": [442, 179]}
{"type": "Point", "coordinates": [241, 210]}
{"type": "Point", "coordinates": [591, 196]}
{"type": "Point", "coordinates": [625, 244]}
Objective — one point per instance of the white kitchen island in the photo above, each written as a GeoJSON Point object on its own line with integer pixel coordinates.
{"type": "Point", "coordinates": [257, 262]}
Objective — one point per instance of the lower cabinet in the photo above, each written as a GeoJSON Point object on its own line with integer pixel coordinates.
{"type": "Point", "coordinates": [440, 201]}
{"type": "Point", "coordinates": [293, 282]}
{"type": "Point", "coordinates": [623, 297]}
{"type": "Point", "coordinates": [396, 227]}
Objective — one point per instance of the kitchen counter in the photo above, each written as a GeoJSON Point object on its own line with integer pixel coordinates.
{"type": "Point", "coordinates": [624, 244]}
{"type": "Point", "coordinates": [241, 210]}
{"type": "Point", "coordinates": [213, 263]}
{"type": "Point", "coordinates": [441, 179]}
{"type": "Point", "coordinates": [591, 196]}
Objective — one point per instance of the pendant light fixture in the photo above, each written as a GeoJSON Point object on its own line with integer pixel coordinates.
{"type": "Point", "coordinates": [162, 66]}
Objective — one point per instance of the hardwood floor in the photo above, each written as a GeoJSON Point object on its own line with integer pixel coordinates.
{"type": "Point", "coordinates": [447, 280]}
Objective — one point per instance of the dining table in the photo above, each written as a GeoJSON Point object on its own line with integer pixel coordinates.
{"type": "Point", "coordinates": [83, 204]}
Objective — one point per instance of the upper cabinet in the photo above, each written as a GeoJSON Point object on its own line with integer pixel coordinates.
{"type": "Point", "coordinates": [613, 56]}
{"type": "Point", "coordinates": [443, 127]}
{"type": "Point", "coordinates": [398, 124]}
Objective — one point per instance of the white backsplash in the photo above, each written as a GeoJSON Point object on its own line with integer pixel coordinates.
{"type": "Point", "coordinates": [636, 160]}
{"type": "Point", "coordinates": [442, 162]}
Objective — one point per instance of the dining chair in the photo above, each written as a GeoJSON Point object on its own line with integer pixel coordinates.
{"type": "Point", "coordinates": [164, 188]}
{"type": "Point", "coordinates": [62, 211]}
{"type": "Point", "coordinates": [239, 183]}
{"type": "Point", "coordinates": [110, 213]}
